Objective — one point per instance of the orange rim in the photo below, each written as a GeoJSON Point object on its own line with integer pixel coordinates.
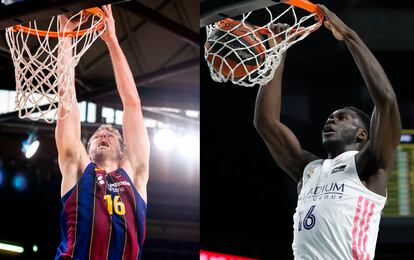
{"type": "Point", "coordinates": [305, 5]}
{"type": "Point", "coordinates": [308, 6]}
{"type": "Point", "coordinates": [95, 11]}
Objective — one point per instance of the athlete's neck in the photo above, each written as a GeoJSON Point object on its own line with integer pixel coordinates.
{"type": "Point", "coordinates": [339, 149]}
{"type": "Point", "coordinates": [108, 165]}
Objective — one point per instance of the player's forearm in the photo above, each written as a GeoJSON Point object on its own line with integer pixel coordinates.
{"type": "Point", "coordinates": [123, 75]}
{"type": "Point", "coordinates": [68, 128]}
{"type": "Point", "coordinates": [372, 72]}
{"type": "Point", "coordinates": [65, 72]}
{"type": "Point", "coordinates": [268, 100]}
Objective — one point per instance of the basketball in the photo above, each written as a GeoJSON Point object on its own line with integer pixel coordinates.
{"type": "Point", "coordinates": [235, 48]}
{"type": "Point", "coordinates": [76, 16]}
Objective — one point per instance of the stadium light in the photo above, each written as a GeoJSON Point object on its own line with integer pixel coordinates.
{"type": "Point", "coordinates": [11, 248]}
{"type": "Point", "coordinates": [30, 145]}
{"type": "Point", "coordinates": [2, 176]}
{"type": "Point", "coordinates": [165, 139]}
{"type": "Point", "coordinates": [20, 181]}
{"type": "Point", "coordinates": [192, 113]}
{"type": "Point", "coordinates": [189, 146]}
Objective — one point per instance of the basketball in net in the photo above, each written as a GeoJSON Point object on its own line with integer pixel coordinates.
{"type": "Point", "coordinates": [242, 53]}
{"type": "Point", "coordinates": [44, 63]}
{"type": "Point", "coordinates": [235, 49]}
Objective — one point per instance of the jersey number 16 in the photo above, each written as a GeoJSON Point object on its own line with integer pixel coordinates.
{"type": "Point", "coordinates": [308, 220]}
{"type": "Point", "coordinates": [116, 205]}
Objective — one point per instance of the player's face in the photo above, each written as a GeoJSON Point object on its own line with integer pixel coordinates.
{"type": "Point", "coordinates": [104, 145]}
{"type": "Point", "coordinates": [340, 127]}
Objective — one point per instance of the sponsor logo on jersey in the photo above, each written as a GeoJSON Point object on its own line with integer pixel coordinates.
{"type": "Point", "coordinates": [100, 180]}
{"type": "Point", "coordinates": [118, 186]}
{"type": "Point", "coordinates": [331, 190]}
{"type": "Point", "coordinates": [339, 169]}
{"type": "Point", "coordinates": [330, 187]}
{"type": "Point", "coordinates": [309, 172]}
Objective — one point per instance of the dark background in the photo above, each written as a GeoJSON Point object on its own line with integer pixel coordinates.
{"type": "Point", "coordinates": [247, 201]}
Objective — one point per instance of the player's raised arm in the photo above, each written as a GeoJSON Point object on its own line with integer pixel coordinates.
{"type": "Point", "coordinates": [134, 130]}
{"type": "Point", "coordinates": [72, 155]}
{"type": "Point", "coordinates": [385, 120]}
{"type": "Point", "coordinates": [280, 140]}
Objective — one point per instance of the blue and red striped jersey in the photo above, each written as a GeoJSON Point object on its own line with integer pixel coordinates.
{"type": "Point", "coordinates": [103, 217]}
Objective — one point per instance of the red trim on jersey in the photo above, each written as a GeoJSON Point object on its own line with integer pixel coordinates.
{"type": "Point", "coordinates": [371, 212]}
{"type": "Point", "coordinates": [101, 227]}
{"type": "Point", "coordinates": [361, 228]}
{"type": "Point", "coordinates": [131, 248]}
{"type": "Point", "coordinates": [354, 230]}
{"type": "Point", "coordinates": [361, 223]}
{"type": "Point", "coordinates": [71, 208]}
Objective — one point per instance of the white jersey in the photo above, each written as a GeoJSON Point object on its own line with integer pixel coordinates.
{"type": "Point", "coordinates": [337, 217]}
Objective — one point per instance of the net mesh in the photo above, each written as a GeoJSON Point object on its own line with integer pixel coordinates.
{"type": "Point", "coordinates": [39, 70]}
{"type": "Point", "coordinates": [242, 53]}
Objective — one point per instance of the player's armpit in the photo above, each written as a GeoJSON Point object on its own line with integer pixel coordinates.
{"type": "Point", "coordinates": [285, 148]}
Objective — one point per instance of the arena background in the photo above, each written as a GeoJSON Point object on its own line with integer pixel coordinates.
{"type": "Point", "coordinates": [161, 41]}
{"type": "Point", "coordinates": [247, 201]}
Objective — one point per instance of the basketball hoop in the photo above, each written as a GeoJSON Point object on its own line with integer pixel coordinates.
{"type": "Point", "coordinates": [240, 52]}
{"type": "Point", "coordinates": [36, 69]}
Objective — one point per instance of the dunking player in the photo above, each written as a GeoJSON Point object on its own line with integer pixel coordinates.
{"type": "Point", "coordinates": [340, 198]}
{"type": "Point", "coordinates": [104, 187]}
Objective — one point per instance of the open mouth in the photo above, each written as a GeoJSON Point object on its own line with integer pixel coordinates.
{"type": "Point", "coordinates": [328, 129]}
{"type": "Point", "coordinates": [103, 143]}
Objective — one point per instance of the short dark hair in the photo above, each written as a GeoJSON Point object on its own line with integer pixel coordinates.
{"type": "Point", "coordinates": [364, 117]}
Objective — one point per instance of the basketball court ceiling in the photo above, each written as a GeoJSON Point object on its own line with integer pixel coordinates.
{"type": "Point", "coordinates": [160, 40]}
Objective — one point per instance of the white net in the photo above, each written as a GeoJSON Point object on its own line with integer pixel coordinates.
{"type": "Point", "coordinates": [39, 69]}
{"type": "Point", "coordinates": [239, 52]}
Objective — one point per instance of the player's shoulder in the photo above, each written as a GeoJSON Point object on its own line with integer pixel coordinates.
{"type": "Point", "coordinates": [310, 169]}
{"type": "Point", "coordinates": [85, 162]}
{"type": "Point", "coordinates": [314, 163]}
